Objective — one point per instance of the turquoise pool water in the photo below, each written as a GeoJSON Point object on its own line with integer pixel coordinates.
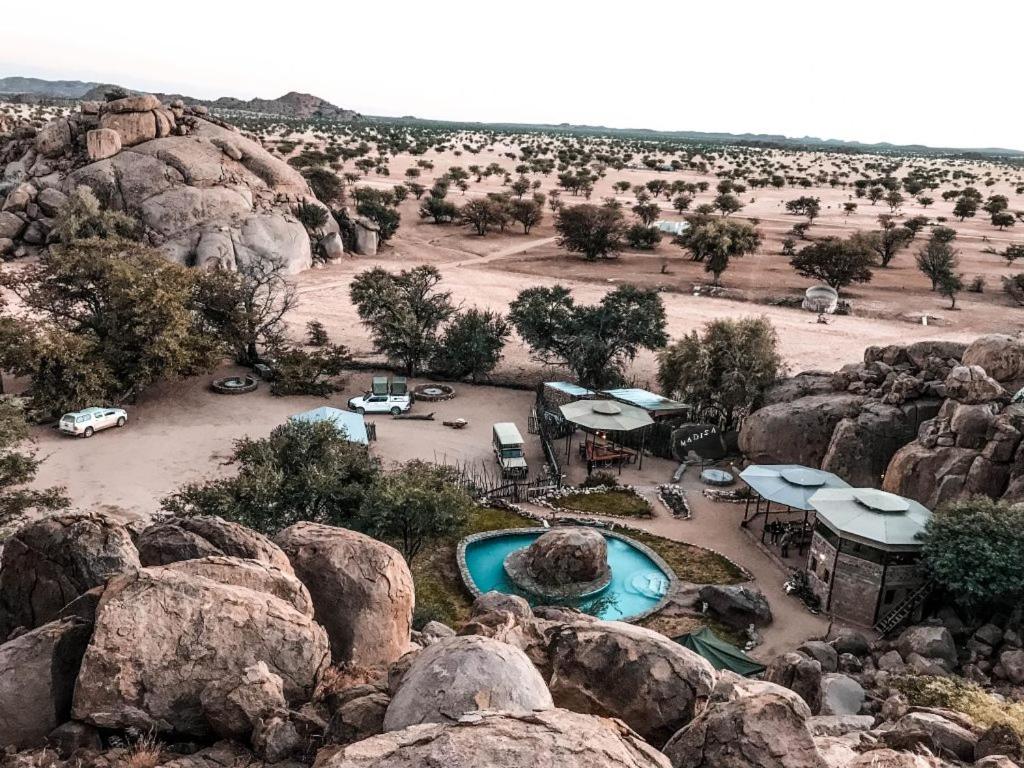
{"type": "Point", "coordinates": [637, 584]}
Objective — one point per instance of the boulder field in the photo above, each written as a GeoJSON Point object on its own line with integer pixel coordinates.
{"type": "Point", "coordinates": [933, 421]}
{"type": "Point", "coordinates": [227, 648]}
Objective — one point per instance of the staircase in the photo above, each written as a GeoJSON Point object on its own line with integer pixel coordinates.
{"type": "Point", "coordinates": [902, 612]}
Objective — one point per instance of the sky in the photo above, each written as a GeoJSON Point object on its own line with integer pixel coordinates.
{"type": "Point", "coordinates": [904, 71]}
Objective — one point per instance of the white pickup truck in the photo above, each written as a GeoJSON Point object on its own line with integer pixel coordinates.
{"type": "Point", "coordinates": [371, 403]}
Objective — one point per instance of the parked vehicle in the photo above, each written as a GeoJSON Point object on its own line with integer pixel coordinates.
{"type": "Point", "coordinates": [508, 450]}
{"type": "Point", "coordinates": [373, 403]}
{"type": "Point", "coordinates": [89, 421]}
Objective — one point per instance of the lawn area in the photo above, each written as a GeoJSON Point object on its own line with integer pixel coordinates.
{"type": "Point", "coordinates": [613, 502]}
{"type": "Point", "coordinates": [441, 595]}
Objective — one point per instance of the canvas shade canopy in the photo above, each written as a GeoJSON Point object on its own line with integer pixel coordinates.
{"type": "Point", "coordinates": [352, 424]}
{"type": "Point", "coordinates": [872, 517]}
{"type": "Point", "coordinates": [599, 417]}
{"type": "Point", "coordinates": [721, 654]}
{"type": "Point", "coordinates": [790, 485]}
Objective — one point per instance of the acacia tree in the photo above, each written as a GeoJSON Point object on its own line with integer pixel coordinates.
{"type": "Point", "coordinates": [415, 504]}
{"type": "Point", "coordinates": [403, 311]}
{"type": "Point", "coordinates": [594, 341]}
{"type": "Point", "coordinates": [471, 344]}
{"type": "Point", "coordinates": [834, 261]}
{"type": "Point", "coordinates": [728, 368]}
{"type": "Point", "coordinates": [102, 321]}
{"type": "Point", "coordinates": [302, 471]}
{"type": "Point", "coordinates": [886, 242]}
{"type": "Point", "coordinates": [975, 549]}
{"type": "Point", "coordinates": [716, 241]}
{"type": "Point", "coordinates": [595, 231]}
{"type": "Point", "coordinates": [246, 307]}
{"type": "Point", "coordinates": [937, 259]}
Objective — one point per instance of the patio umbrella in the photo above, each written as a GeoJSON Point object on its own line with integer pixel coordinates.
{"type": "Point", "coordinates": [605, 415]}
{"type": "Point", "coordinates": [790, 485]}
{"type": "Point", "coordinates": [871, 517]}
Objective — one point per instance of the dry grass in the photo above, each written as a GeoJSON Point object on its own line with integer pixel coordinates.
{"type": "Point", "coordinates": [690, 563]}
{"type": "Point", "coordinates": [144, 753]}
{"type": "Point", "coordinates": [962, 696]}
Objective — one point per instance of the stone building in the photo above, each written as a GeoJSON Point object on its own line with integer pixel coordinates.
{"type": "Point", "coordinates": [865, 552]}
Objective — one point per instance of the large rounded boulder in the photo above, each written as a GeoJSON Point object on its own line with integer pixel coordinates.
{"type": "Point", "coordinates": [51, 561]}
{"type": "Point", "coordinates": [620, 670]}
{"type": "Point", "coordinates": [361, 588]}
{"type": "Point", "coordinates": [251, 574]}
{"type": "Point", "coordinates": [456, 675]}
{"type": "Point", "coordinates": [187, 538]}
{"type": "Point", "coordinates": [163, 636]}
{"type": "Point", "coordinates": [795, 432]}
{"type": "Point", "coordinates": [748, 724]}
{"type": "Point", "coordinates": [999, 354]}
{"type": "Point", "coordinates": [502, 740]}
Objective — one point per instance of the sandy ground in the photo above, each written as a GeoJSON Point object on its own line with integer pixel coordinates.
{"type": "Point", "coordinates": [490, 271]}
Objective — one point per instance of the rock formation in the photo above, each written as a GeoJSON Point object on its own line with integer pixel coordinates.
{"type": "Point", "coordinates": [929, 418]}
{"type": "Point", "coordinates": [361, 588]}
{"type": "Point", "coordinates": [462, 674]}
{"type": "Point", "coordinates": [203, 193]}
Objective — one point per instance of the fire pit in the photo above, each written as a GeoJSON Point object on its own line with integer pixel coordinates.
{"type": "Point", "coordinates": [433, 393]}
{"type": "Point", "coordinates": [234, 385]}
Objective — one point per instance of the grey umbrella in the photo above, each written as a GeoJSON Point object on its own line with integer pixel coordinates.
{"type": "Point", "coordinates": [605, 415]}
{"type": "Point", "coordinates": [791, 485]}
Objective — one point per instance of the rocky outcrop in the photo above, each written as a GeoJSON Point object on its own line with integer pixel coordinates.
{"type": "Point", "coordinates": [361, 588]}
{"type": "Point", "coordinates": [187, 538]}
{"type": "Point", "coordinates": [967, 449]}
{"type": "Point", "coordinates": [251, 574]}
{"type": "Point", "coordinates": [162, 637]}
{"type": "Point", "coordinates": [463, 674]}
{"type": "Point", "coordinates": [204, 194]}
{"type": "Point", "coordinates": [1000, 355]}
{"type": "Point", "coordinates": [737, 606]}
{"type": "Point", "coordinates": [637, 675]}
{"type": "Point", "coordinates": [748, 724]}
{"type": "Point", "coordinates": [553, 737]}
{"type": "Point", "coordinates": [853, 421]}
{"type": "Point", "coordinates": [49, 562]}
{"type": "Point", "coordinates": [234, 705]}
{"type": "Point", "coordinates": [37, 679]}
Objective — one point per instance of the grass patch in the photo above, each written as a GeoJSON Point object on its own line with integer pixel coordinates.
{"type": "Point", "coordinates": [613, 503]}
{"type": "Point", "coordinates": [961, 696]}
{"type": "Point", "coordinates": [441, 595]}
{"type": "Point", "coordinates": [690, 563]}
{"type": "Point", "coordinates": [682, 625]}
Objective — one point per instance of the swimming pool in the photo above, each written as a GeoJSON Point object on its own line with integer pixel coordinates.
{"type": "Point", "coordinates": [640, 579]}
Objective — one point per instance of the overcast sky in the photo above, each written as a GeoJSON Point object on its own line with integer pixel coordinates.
{"type": "Point", "coordinates": [906, 71]}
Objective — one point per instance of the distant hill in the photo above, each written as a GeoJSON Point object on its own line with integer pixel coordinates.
{"type": "Point", "coordinates": [292, 104]}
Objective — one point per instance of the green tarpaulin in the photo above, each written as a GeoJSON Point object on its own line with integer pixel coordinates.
{"type": "Point", "coordinates": [721, 654]}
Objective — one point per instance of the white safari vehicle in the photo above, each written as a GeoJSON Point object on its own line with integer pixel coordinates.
{"type": "Point", "coordinates": [508, 450]}
{"type": "Point", "coordinates": [373, 403]}
{"type": "Point", "coordinates": [88, 421]}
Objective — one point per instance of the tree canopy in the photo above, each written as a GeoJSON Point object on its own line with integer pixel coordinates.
{"type": "Point", "coordinates": [471, 344]}
{"type": "Point", "coordinates": [595, 231]}
{"type": "Point", "coordinates": [594, 341]}
{"type": "Point", "coordinates": [18, 467]}
{"type": "Point", "coordinates": [727, 368]}
{"type": "Point", "coordinates": [403, 311]}
{"type": "Point", "coordinates": [302, 471]}
{"type": "Point", "coordinates": [717, 241]}
{"type": "Point", "coordinates": [412, 505]}
{"type": "Point", "coordinates": [975, 549]}
{"type": "Point", "coordinates": [834, 261]}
